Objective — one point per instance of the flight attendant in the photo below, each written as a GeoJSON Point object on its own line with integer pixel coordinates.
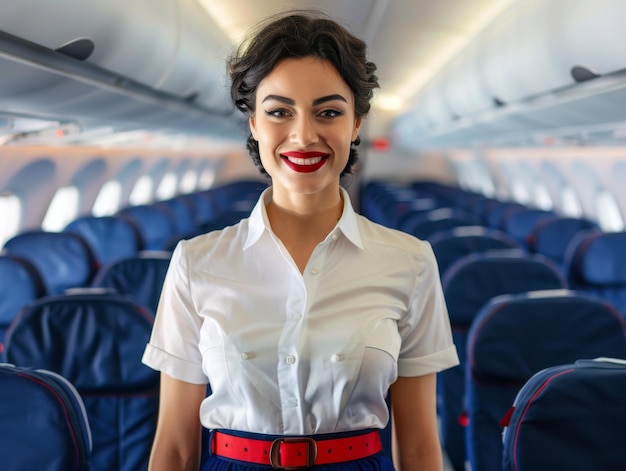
{"type": "Point", "coordinates": [303, 316]}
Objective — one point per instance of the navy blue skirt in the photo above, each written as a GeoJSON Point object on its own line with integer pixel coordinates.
{"type": "Point", "coordinates": [378, 462]}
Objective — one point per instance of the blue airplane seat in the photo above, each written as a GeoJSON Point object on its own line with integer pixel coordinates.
{"type": "Point", "coordinates": [569, 417]}
{"type": "Point", "coordinates": [452, 244]}
{"type": "Point", "coordinates": [519, 224]}
{"type": "Point", "coordinates": [154, 225]}
{"type": "Point", "coordinates": [140, 277]}
{"type": "Point", "coordinates": [43, 423]}
{"type": "Point", "coordinates": [515, 336]}
{"type": "Point", "coordinates": [596, 264]}
{"type": "Point", "coordinates": [109, 237]}
{"type": "Point", "coordinates": [19, 286]}
{"type": "Point", "coordinates": [467, 285]}
{"type": "Point", "coordinates": [498, 211]}
{"type": "Point", "coordinates": [96, 342]}
{"type": "Point", "coordinates": [182, 211]}
{"type": "Point", "coordinates": [425, 224]}
{"type": "Point", "coordinates": [552, 237]}
{"type": "Point", "coordinates": [238, 195]}
{"type": "Point", "coordinates": [63, 260]}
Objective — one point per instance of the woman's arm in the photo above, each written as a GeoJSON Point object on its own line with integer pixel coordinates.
{"type": "Point", "coordinates": [177, 440]}
{"type": "Point", "coordinates": [414, 408]}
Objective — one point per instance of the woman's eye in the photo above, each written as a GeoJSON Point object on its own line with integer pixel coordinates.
{"type": "Point", "coordinates": [330, 113]}
{"type": "Point", "coordinates": [277, 113]}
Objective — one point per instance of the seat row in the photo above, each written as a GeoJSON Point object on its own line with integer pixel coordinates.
{"type": "Point", "coordinates": [513, 310]}
{"type": "Point", "coordinates": [128, 252]}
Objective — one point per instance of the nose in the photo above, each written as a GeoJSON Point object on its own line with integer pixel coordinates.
{"type": "Point", "coordinates": [303, 131]}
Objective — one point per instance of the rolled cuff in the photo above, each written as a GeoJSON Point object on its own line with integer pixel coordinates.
{"type": "Point", "coordinates": [177, 368]}
{"type": "Point", "coordinates": [433, 363]}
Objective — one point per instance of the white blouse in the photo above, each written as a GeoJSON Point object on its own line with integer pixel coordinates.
{"type": "Point", "coordinates": [290, 353]}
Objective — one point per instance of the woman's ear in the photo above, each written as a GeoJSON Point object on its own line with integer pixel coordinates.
{"type": "Point", "coordinates": [357, 128]}
{"type": "Point", "coordinates": [252, 124]}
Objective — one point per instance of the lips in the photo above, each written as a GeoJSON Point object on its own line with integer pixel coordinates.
{"type": "Point", "coordinates": [305, 162]}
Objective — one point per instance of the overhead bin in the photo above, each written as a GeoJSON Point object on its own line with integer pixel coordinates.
{"type": "Point", "coordinates": [532, 70]}
{"type": "Point", "coordinates": [153, 64]}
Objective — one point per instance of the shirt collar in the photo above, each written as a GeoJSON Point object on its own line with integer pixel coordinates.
{"type": "Point", "coordinates": [259, 222]}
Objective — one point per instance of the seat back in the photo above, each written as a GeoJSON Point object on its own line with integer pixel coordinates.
{"type": "Point", "coordinates": [140, 277]}
{"type": "Point", "coordinates": [449, 246]}
{"type": "Point", "coordinates": [551, 237]}
{"type": "Point", "coordinates": [426, 224]}
{"type": "Point", "coordinates": [468, 284]}
{"type": "Point", "coordinates": [569, 417]}
{"type": "Point", "coordinates": [109, 237]}
{"type": "Point", "coordinates": [597, 266]}
{"type": "Point", "coordinates": [520, 223]}
{"type": "Point", "coordinates": [155, 225]}
{"type": "Point", "coordinates": [19, 286]}
{"type": "Point", "coordinates": [63, 260]}
{"type": "Point", "coordinates": [43, 423]}
{"type": "Point", "coordinates": [515, 336]}
{"type": "Point", "coordinates": [96, 341]}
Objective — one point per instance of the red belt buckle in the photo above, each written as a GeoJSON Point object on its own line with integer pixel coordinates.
{"type": "Point", "coordinates": [280, 447]}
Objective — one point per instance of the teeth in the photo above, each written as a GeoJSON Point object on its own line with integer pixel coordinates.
{"type": "Point", "coordinates": [311, 161]}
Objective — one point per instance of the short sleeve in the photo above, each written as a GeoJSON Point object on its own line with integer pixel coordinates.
{"type": "Point", "coordinates": [427, 345]}
{"type": "Point", "coordinates": [173, 346]}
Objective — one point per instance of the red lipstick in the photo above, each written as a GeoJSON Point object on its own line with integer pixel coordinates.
{"type": "Point", "coordinates": [304, 162]}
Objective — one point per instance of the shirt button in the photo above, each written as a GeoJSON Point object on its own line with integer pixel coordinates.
{"type": "Point", "coordinates": [335, 358]}
{"type": "Point", "coordinates": [291, 402]}
{"type": "Point", "coordinates": [334, 237]}
{"type": "Point", "coordinates": [297, 317]}
{"type": "Point", "coordinates": [314, 271]}
{"type": "Point", "coordinates": [244, 356]}
{"type": "Point", "coordinates": [290, 359]}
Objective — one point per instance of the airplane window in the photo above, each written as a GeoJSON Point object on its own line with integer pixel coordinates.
{"type": "Point", "coordinates": [142, 191]}
{"type": "Point", "coordinates": [207, 177]}
{"type": "Point", "coordinates": [520, 192]}
{"type": "Point", "coordinates": [542, 198]}
{"type": "Point", "coordinates": [108, 200]}
{"type": "Point", "coordinates": [62, 210]}
{"type": "Point", "coordinates": [609, 216]}
{"type": "Point", "coordinates": [167, 186]}
{"type": "Point", "coordinates": [189, 182]}
{"type": "Point", "coordinates": [570, 205]}
{"type": "Point", "coordinates": [10, 211]}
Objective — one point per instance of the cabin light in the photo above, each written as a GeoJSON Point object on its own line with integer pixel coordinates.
{"type": "Point", "coordinates": [381, 144]}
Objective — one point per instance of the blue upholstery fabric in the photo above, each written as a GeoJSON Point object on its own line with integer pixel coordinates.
{"type": "Point", "coordinates": [63, 260]}
{"type": "Point", "coordinates": [19, 285]}
{"type": "Point", "coordinates": [96, 342]}
{"type": "Point", "coordinates": [450, 245]}
{"type": "Point", "coordinates": [551, 237]}
{"type": "Point", "coordinates": [140, 277]}
{"type": "Point", "coordinates": [155, 225]}
{"type": "Point", "coordinates": [499, 211]}
{"type": "Point", "coordinates": [569, 417]}
{"type": "Point", "coordinates": [183, 213]}
{"type": "Point", "coordinates": [597, 266]}
{"type": "Point", "coordinates": [43, 424]}
{"type": "Point", "coordinates": [520, 223]}
{"type": "Point", "coordinates": [110, 238]}
{"type": "Point", "coordinates": [515, 336]}
{"type": "Point", "coordinates": [468, 284]}
{"type": "Point", "coordinates": [424, 225]}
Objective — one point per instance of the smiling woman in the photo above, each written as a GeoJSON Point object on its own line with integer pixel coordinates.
{"type": "Point", "coordinates": [300, 353]}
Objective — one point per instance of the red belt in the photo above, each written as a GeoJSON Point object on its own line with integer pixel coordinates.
{"type": "Point", "coordinates": [296, 452]}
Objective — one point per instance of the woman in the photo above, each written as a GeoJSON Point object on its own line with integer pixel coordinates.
{"type": "Point", "coordinates": [304, 314]}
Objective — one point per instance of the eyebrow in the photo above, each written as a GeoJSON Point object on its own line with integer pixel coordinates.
{"type": "Point", "coordinates": [317, 101]}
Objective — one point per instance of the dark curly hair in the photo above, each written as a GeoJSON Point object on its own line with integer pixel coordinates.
{"type": "Point", "coordinates": [303, 33]}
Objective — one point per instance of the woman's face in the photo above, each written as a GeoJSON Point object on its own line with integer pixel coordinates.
{"type": "Point", "coordinates": [304, 122]}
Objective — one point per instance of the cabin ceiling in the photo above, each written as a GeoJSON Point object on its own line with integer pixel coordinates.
{"type": "Point", "coordinates": [408, 40]}
{"type": "Point", "coordinates": [452, 72]}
